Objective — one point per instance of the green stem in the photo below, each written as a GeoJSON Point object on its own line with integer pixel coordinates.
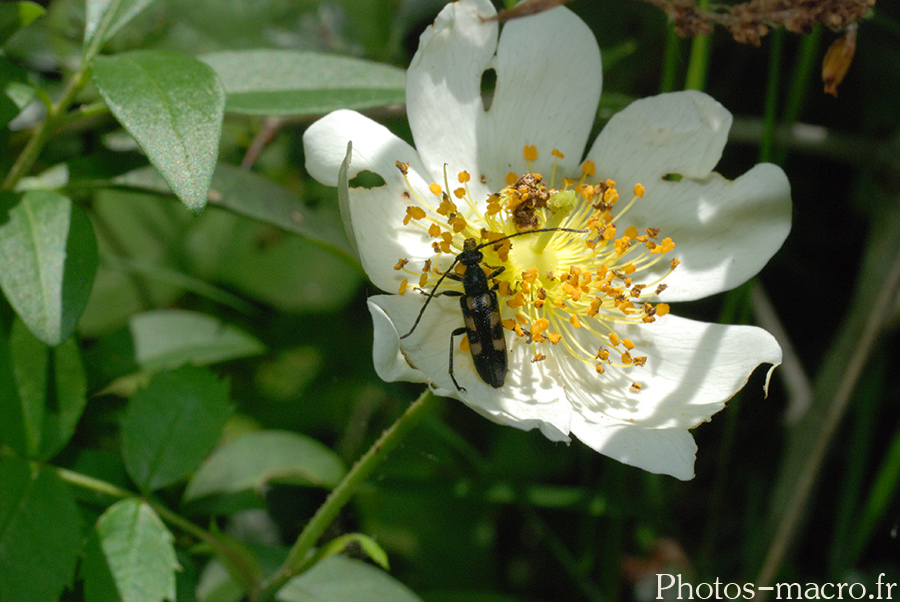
{"type": "Point", "coordinates": [35, 145]}
{"type": "Point", "coordinates": [770, 113]}
{"type": "Point", "coordinates": [86, 482]}
{"type": "Point", "coordinates": [805, 65]}
{"type": "Point", "coordinates": [670, 60]}
{"type": "Point", "coordinates": [328, 511]}
{"type": "Point", "coordinates": [698, 64]}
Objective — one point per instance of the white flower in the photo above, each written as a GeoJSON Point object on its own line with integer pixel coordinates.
{"type": "Point", "coordinates": [591, 352]}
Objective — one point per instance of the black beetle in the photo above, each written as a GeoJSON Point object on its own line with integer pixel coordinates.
{"type": "Point", "coordinates": [480, 310]}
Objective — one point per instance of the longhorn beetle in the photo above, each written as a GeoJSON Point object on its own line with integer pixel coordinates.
{"type": "Point", "coordinates": [480, 310]}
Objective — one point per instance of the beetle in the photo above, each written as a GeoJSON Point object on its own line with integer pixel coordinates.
{"type": "Point", "coordinates": [480, 310]}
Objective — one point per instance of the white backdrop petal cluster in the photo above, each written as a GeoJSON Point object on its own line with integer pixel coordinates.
{"type": "Point", "coordinates": [548, 82]}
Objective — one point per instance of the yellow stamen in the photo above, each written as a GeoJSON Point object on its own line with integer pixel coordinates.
{"type": "Point", "coordinates": [553, 282]}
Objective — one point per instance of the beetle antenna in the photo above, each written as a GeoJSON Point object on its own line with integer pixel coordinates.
{"type": "Point", "coordinates": [501, 239]}
{"type": "Point", "coordinates": [431, 296]}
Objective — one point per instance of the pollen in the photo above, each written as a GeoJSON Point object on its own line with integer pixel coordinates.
{"type": "Point", "coordinates": [413, 213]}
{"type": "Point", "coordinates": [569, 290]}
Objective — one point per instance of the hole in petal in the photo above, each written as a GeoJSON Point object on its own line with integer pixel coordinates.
{"type": "Point", "coordinates": [488, 86]}
{"type": "Point", "coordinates": [367, 179]}
{"type": "Point", "coordinates": [672, 177]}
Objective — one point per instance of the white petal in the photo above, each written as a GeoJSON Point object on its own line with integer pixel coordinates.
{"type": "Point", "coordinates": [548, 87]}
{"type": "Point", "coordinates": [375, 148]}
{"type": "Point", "coordinates": [549, 78]}
{"type": "Point", "coordinates": [443, 86]}
{"type": "Point", "coordinates": [377, 213]}
{"type": "Point", "coordinates": [724, 231]}
{"type": "Point", "coordinates": [680, 132]}
{"type": "Point", "coordinates": [692, 369]}
{"type": "Point", "coordinates": [390, 362]}
{"type": "Point", "coordinates": [527, 400]}
{"type": "Point", "coordinates": [661, 451]}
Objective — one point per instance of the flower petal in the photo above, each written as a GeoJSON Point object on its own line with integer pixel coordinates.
{"type": "Point", "coordinates": [443, 86]}
{"type": "Point", "coordinates": [527, 400]}
{"type": "Point", "coordinates": [724, 231]}
{"type": "Point", "coordinates": [692, 369]}
{"type": "Point", "coordinates": [679, 132]}
{"type": "Point", "coordinates": [547, 90]}
{"type": "Point", "coordinates": [391, 363]}
{"type": "Point", "coordinates": [549, 79]}
{"type": "Point", "coordinates": [375, 148]}
{"type": "Point", "coordinates": [661, 451]}
{"type": "Point", "coordinates": [376, 213]}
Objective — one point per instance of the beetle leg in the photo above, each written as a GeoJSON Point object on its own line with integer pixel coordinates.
{"type": "Point", "coordinates": [453, 334]}
{"type": "Point", "coordinates": [497, 272]}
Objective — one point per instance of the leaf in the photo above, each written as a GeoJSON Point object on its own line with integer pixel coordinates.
{"type": "Point", "coordinates": [338, 579]}
{"type": "Point", "coordinates": [16, 15]}
{"type": "Point", "coordinates": [40, 533]}
{"type": "Point", "coordinates": [49, 256]}
{"type": "Point", "coordinates": [16, 90]}
{"type": "Point", "coordinates": [172, 424]}
{"type": "Point", "coordinates": [339, 544]}
{"type": "Point", "coordinates": [130, 557]}
{"type": "Point", "coordinates": [12, 427]}
{"type": "Point", "coordinates": [254, 196]}
{"type": "Point", "coordinates": [173, 106]}
{"type": "Point", "coordinates": [254, 459]}
{"type": "Point", "coordinates": [166, 339]}
{"type": "Point", "coordinates": [48, 421]}
{"type": "Point", "coordinates": [103, 18]}
{"type": "Point", "coordinates": [287, 82]}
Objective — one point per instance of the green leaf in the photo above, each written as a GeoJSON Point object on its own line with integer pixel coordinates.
{"type": "Point", "coordinates": [339, 544]}
{"type": "Point", "coordinates": [254, 459]}
{"type": "Point", "coordinates": [254, 196]}
{"type": "Point", "coordinates": [40, 533]}
{"type": "Point", "coordinates": [170, 426]}
{"type": "Point", "coordinates": [16, 90]}
{"type": "Point", "coordinates": [12, 427]}
{"type": "Point", "coordinates": [49, 258]}
{"type": "Point", "coordinates": [48, 421]}
{"type": "Point", "coordinates": [103, 18]}
{"type": "Point", "coordinates": [169, 338]}
{"type": "Point", "coordinates": [338, 579]}
{"type": "Point", "coordinates": [130, 557]}
{"type": "Point", "coordinates": [288, 82]}
{"type": "Point", "coordinates": [173, 106]}
{"type": "Point", "coordinates": [16, 15]}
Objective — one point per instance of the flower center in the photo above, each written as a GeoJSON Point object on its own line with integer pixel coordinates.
{"type": "Point", "coordinates": [558, 288]}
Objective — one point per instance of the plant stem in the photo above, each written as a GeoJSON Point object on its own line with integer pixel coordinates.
{"type": "Point", "coordinates": [328, 511]}
{"type": "Point", "coordinates": [698, 64]}
{"type": "Point", "coordinates": [670, 60]}
{"type": "Point", "coordinates": [35, 145]}
{"type": "Point", "coordinates": [804, 67]}
{"type": "Point", "coordinates": [770, 115]}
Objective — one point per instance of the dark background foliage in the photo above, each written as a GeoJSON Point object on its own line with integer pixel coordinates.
{"type": "Point", "coordinates": [280, 338]}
